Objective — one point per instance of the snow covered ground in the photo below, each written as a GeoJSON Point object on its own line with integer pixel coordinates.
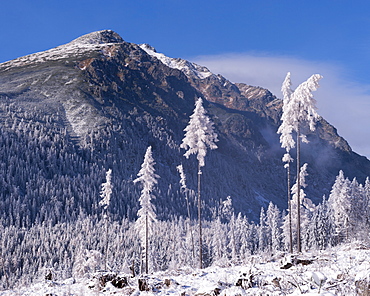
{"type": "Point", "coordinates": [332, 272]}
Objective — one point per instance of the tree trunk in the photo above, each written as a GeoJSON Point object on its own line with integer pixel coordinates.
{"type": "Point", "coordinates": [106, 241]}
{"type": "Point", "coordinates": [232, 225]}
{"type": "Point", "coordinates": [299, 247]}
{"type": "Point", "coordinates": [189, 224]}
{"type": "Point", "coordinates": [290, 212]}
{"type": "Point", "coordinates": [200, 221]}
{"type": "Point", "coordinates": [146, 244]}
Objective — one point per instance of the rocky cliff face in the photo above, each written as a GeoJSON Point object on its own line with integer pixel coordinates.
{"type": "Point", "coordinates": [70, 113]}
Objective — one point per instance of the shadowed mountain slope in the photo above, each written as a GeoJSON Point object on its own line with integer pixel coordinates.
{"type": "Point", "coordinates": [70, 113]}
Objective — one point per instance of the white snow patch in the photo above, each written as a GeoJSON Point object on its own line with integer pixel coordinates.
{"type": "Point", "coordinates": [190, 69]}
{"type": "Point", "coordinates": [71, 81]}
{"type": "Point", "coordinates": [73, 49]}
{"type": "Point", "coordinates": [82, 117]}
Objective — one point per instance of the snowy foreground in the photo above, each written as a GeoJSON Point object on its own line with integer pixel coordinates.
{"type": "Point", "coordinates": [337, 271]}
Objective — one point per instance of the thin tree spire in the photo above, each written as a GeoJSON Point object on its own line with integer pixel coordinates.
{"type": "Point", "coordinates": [299, 107]}
{"type": "Point", "coordinates": [146, 214]}
{"type": "Point", "coordinates": [199, 136]}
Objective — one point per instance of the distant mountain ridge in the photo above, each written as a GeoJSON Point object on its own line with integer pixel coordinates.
{"type": "Point", "coordinates": [70, 113]}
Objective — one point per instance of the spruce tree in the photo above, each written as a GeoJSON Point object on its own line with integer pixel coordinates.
{"type": "Point", "coordinates": [185, 190]}
{"type": "Point", "coordinates": [300, 109]}
{"type": "Point", "coordinates": [199, 136]}
{"type": "Point", "coordinates": [105, 194]}
{"type": "Point", "coordinates": [340, 204]}
{"type": "Point", "coordinates": [287, 142]}
{"type": "Point", "coordinates": [146, 214]}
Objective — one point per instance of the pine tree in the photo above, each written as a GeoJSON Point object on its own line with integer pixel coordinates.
{"type": "Point", "coordinates": [287, 142]}
{"type": "Point", "coordinates": [199, 136]}
{"type": "Point", "coordinates": [300, 109]}
{"type": "Point", "coordinates": [146, 214]}
{"type": "Point", "coordinates": [262, 232]}
{"type": "Point", "coordinates": [273, 222]}
{"type": "Point", "coordinates": [358, 206]}
{"type": "Point", "coordinates": [186, 192]}
{"type": "Point", "coordinates": [229, 216]}
{"type": "Point", "coordinates": [321, 227]}
{"type": "Point", "coordinates": [367, 200]}
{"type": "Point", "coordinates": [299, 200]}
{"type": "Point", "coordinates": [105, 194]}
{"type": "Point", "coordinates": [340, 204]}
{"type": "Point", "coordinates": [106, 190]}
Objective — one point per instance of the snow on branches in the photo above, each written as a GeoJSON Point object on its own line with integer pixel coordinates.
{"type": "Point", "coordinates": [199, 134]}
{"type": "Point", "coordinates": [148, 178]}
{"type": "Point", "coordinates": [298, 106]}
{"type": "Point", "coordinates": [106, 190]}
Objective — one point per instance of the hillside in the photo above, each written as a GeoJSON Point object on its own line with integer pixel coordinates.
{"type": "Point", "coordinates": [70, 113]}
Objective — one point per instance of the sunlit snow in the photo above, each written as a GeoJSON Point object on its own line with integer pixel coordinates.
{"type": "Point", "coordinates": [332, 273]}
{"type": "Point", "coordinates": [190, 69]}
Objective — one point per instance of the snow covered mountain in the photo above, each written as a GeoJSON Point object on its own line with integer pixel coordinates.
{"type": "Point", "coordinates": [69, 113]}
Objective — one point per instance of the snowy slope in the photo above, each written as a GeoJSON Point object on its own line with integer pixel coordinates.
{"type": "Point", "coordinates": [93, 42]}
{"type": "Point", "coordinates": [337, 269]}
{"type": "Point", "coordinates": [190, 69]}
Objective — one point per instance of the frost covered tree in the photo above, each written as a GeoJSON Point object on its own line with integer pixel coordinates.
{"type": "Point", "coordinates": [287, 142]}
{"type": "Point", "coordinates": [105, 194]}
{"type": "Point", "coordinates": [186, 192]}
{"type": "Point", "coordinates": [262, 232]}
{"type": "Point", "coordinates": [146, 214]}
{"type": "Point", "coordinates": [299, 200]}
{"type": "Point", "coordinates": [228, 215]}
{"type": "Point", "coordinates": [273, 223]}
{"type": "Point", "coordinates": [86, 262]}
{"type": "Point", "coordinates": [321, 227]}
{"type": "Point", "coordinates": [358, 207]}
{"type": "Point", "coordinates": [300, 109]}
{"type": "Point", "coordinates": [340, 204]}
{"type": "Point", "coordinates": [367, 201]}
{"type": "Point", "coordinates": [106, 190]}
{"type": "Point", "coordinates": [199, 137]}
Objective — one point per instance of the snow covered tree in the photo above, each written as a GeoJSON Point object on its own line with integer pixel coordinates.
{"type": "Point", "coordinates": [146, 214]}
{"type": "Point", "coordinates": [367, 200]}
{"type": "Point", "coordinates": [199, 136]}
{"type": "Point", "coordinates": [106, 190]}
{"type": "Point", "coordinates": [86, 262]}
{"type": "Point", "coordinates": [273, 224]}
{"type": "Point", "coordinates": [300, 108]}
{"type": "Point", "coordinates": [299, 200]}
{"type": "Point", "coordinates": [287, 142]}
{"type": "Point", "coordinates": [321, 227]}
{"type": "Point", "coordinates": [186, 192]}
{"type": "Point", "coordinates": [340, 204]}
{"type": "Point", "coordinates": [358, 208]}
{"type": "Point", "coordinates": [105, 194]}
{"type": "Point", "coordinates": [228, 215]}
{"type": "Point", "coordinates": [262, 232]}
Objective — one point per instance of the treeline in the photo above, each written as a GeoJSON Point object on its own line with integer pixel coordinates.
{"type": "Point", "coordinates": [47, 174]}
{"type": "Point", "coordinates": [78, 249]}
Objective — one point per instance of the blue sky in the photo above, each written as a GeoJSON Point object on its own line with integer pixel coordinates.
{"type": "Point", "coordinates": [255, 42]}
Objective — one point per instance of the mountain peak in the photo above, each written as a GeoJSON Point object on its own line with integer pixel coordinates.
{"type": "Point", "coordinates": [94, 41]}
{"type": "Point", "coordinates": [99, 37]}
